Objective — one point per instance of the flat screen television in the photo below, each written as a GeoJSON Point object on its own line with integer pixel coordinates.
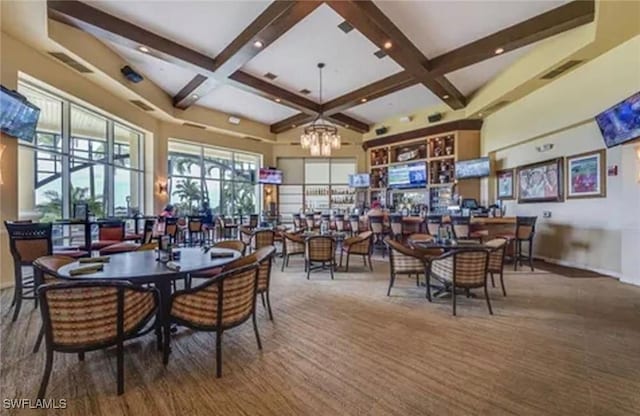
{"type": "Point", "coordinates": [18, 117]}
{"type": "Point", "coordinates": [359, 180]}
{"type": "Point", "coordinates": [621, 123]}
{"type": "Point", "coordinates": [412, 175]}
{"type": "Point", "coordinates": [474, 168]}
{"type": "Point", "coordinates": [270, 176]}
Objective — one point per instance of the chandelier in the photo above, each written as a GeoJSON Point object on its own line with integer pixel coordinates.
{"type": "Point", "coordinates": [320, 137]}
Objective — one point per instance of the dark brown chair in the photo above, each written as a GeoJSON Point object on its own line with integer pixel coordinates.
{"type": "Point", "coordinates": [298, 223]}
{"type": "Point", "coordinates": [171, 229]}
{"type": "Point", "coordinates": [405, 260]}
{"type": "Point", "coordinates": [109, 233]}
{"type": "Point", "coordinates": [264, 257]}
{"type": "Point", "coordinates": [27, 242]}
{"type": "Point", "coordinates": [463, 268]}
{"type": "Point", "coordinates": [90, 315]}
{"type": "Point", "coordinates": [360, 245]}
{"type": "Point", "coordinates": [128, 246]}
{"type": "Point", "coordinates": [498, 247]}
{"type": "Point", "coordinates": [320, 249]}
{"type": "Point", "coordinates": [525, 231]}
{"type": "Point", "coordinates": [310, 222]}
{"type": "Point", "coordinates": [218, 305]}
{"type": "Point", "coordinates": [293, 245]}
{"type": "Point", "coordinates": [341, 225]}
{"type": "Point", "coordinates": [253, 221]}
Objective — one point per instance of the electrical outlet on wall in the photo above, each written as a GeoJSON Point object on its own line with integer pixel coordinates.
{"type": "Point", "coordinates": [546, 214]}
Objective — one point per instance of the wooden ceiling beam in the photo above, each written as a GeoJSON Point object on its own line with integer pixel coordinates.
{"type": "Point", "coordinates": [558, 20]}
{"type": "Point", "coordinates": [388, 85]}
{"type": "Point", "coordinates": [187, 95]}
{"type": "Point", "coordinates": [379, 29]}
{"type": "Point", "coordinates": [291, 123]}
{"type": "Point", "coordinates": [348, 122]}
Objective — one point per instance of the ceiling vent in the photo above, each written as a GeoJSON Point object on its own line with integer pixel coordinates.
{"type": "Point", "coordinates": [141, 105]}
{"type": "Point", "coordinates": [345, 27]}
{"type": "Point", "coordinates": [270, 76]}
{"type": "Point", "coordinates": [69, 61]}
{"type": "Point", "coordinates": [305, 91]}
{"type": "Point", "coordinates": [496, 106]}
{"type": "Point", "coordinates": [380, 54]}
{"type": "Point", "coordinates": [197, 126]}
{"type": "Point", "coordinates": [561, 69]}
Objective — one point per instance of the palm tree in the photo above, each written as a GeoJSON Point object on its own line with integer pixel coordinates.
{"type": "Point", "coordinates": [188, 191]}
{"type": "Point", "coordinates": [52, 208]}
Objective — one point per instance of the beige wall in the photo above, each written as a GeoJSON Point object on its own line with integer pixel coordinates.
{"type": "Point", "coordinates": [595, 233]}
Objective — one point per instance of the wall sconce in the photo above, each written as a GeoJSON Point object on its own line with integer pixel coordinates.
{"type": "Point", "coordinates": [162, 188]}
{"type": "Point", "coordinates": [2, 147]}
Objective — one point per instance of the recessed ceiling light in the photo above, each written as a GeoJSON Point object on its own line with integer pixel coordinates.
{"type": "Point", "coordinates": [499, 51]}
{"type": "Point", "coordinates": [445, 96]}
{"type": "Point", "coordinates": [293, 125]}
{"type": "Point", "coordinates": [364, 100]}
{"type": "Point", "coordinates": [388, 45]}
{"type": "Point", "coordinates": [258, 44]}
{"type": "Point", "coordinates": [195, 96]}
{"type": "Point", "coordinates": [143, 49]}
{"type": "Point", "coordinates": [479, 114]}
{"type": "Point", "coordinates": [277, 100]}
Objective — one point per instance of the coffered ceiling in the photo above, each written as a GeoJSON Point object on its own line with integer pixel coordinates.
{"type": "Point", "coordinates": [216, 54]}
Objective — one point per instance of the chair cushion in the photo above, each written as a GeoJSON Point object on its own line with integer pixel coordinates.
{"type": "Point", "coordinates": [132, 236]}
{"type": "Point", "coordinates": [71, 253]}
{"type": "Point", "coordinates": [123, 247]}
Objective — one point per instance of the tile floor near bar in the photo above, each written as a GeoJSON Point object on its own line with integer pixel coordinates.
{"type": "Point", "coordinates": [556, 345]}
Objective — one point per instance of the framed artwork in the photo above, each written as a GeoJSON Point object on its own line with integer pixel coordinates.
{"type": "Point", "coordinates": [541, 181]}
{"type": "Point", "coordinates": [506, 183]}
{"type": "Point", "coordinates": [585, 175]}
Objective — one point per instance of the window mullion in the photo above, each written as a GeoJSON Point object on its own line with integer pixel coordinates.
{"type": "Point", "coordinates": [66, 150]}
{"type": "Point", "coordinates": [110, 171]}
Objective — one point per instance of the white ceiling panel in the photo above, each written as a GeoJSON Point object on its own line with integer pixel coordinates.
{"type": "Point", "coordinates": [436, 27]}
{"type": "Point", "coordinates": [470, 79]}
{"type": "Point", "coordinates": [399, 103]}
{"type": "Point", "coordinates": [206, 26]}
{"type": "Point", "coordinates": [169, 77]}
{"type": "Point", "coordinates": [234, 101]}
{"type": "Point", "coordinates": [349, 59]}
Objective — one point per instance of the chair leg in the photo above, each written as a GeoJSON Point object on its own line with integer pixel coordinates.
{"type": "Point", "coordinates": [418, 279]}
{"type": "Point", "coordinates": [392, 279]}
{"type": "Point", "coordinates": [341, 258]}
{"type": "Point", "coordinates": [307, 265]}
{"type": "Point", "coordinates": [486, 295]}
{"type": "Point", "coordinates": [331, 270]}
{"type": "Point", "coordinates": [255, 329]}
{"type": "Point", "coordinates": [531, 254]}
{"type": "Point", "coordinates": [219, 353]}
{"type": "Point", "coordinates": [284, 260]}
{"type": "Point", "coordinates": [516, 255]}
{"type": "Point", "coordinates": [17, 292]}
{"type": "Point", "coordinates": [504, 291]}
{"type": "Point", "coordinates": [47, 373]}
{"type": "Point", "coordinates": [264, 304]}
{"type": "Point", "coordinates": [428, 284]}
{"type": "Point", "coordinates": [364, 260]}
{"type": "Point", "coordinates": [493, 282]}
{"type": "Point", "coordinates": [453, 299]}
{"type": "Point", "coordinates": [269, 307]}
{"type": "Point", "coordinates": [36, 347]}
{"type": "Point", "coordinates": [370, 264]}
{"type": "Point", "coordinates": [15, 296]}
{"type": "Point", "coordinates": [120, 371]}
{"type": "Point", "coordinates": [347, 268]}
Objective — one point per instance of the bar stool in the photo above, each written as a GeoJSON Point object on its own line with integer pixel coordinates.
{"type": "Point", "coordinates": [376, 224]}
{"type": "Point", "coordinates": [354, 222]}
{"type": "Point", "coordinates": [525, 230]}
{"type": "Point", "coordinates": [462, 229]}
{"type": "Point", "coordinates": [340, 224]}
{"type": "Point", "coordinates": [396, 226]}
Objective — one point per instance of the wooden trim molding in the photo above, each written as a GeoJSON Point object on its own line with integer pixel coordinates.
{"type": "Point", "coordinates": [468, 124]}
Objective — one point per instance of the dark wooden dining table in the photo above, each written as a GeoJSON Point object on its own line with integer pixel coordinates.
{"type": "Point", "coordinates": [141, 267]}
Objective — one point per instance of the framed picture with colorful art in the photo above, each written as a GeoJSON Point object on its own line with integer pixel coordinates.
{"type": "Point", "coordinates": [585, 175]}
{"type": "Point", "coordinates": [541, 181]}
{"type": "Point", "coordinates": [506, 183]}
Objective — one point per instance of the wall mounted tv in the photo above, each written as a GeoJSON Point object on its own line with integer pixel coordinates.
{"type": "Point", "coordinates": [270, 176]}
{"type": "Point", "coordinates": [474, 168]}
{"type": "Point", "coordinates": [18, 117]}
{"type": "Point", "coordinates": [412, 175]}
{"type": "Point", "coordinates": [359, 180]}
{"type": "Point", "coordinates": [621, 123]}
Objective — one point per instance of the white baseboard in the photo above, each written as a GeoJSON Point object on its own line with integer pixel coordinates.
{"type": "Point", "coordinates": [610, 273]}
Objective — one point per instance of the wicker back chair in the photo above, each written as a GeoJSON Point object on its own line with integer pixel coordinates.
{"type": "Point", "coordinates": [218, 305]}
{"type": "Point", "coordinates": [376, 225]}
{"type": "Point", "coordinates": [293, 244]}
{"type": "Point", "coordinates": [404, 260]}
{"type": "Point", "coordinates": [497, 248]}
{"type": "Point", "coordinates": [462, 229]}
{"type": "Point", "coordinates": [396, 226]}
{"type": "Point", "coordinates": [320, 249]}
{"type": "Point", "coordinates": [27, 242]}
{"type": "Point", "coordinates": [434, 222]}
{"type": "Point", "coordinates": [264, 258]}
{"type": "Point", "coordinates": [263, 238]}
{"type": "Point", "coordinates": [90, 315]}
{"type": "Point", "coordinates": [354, 224]}
{"type": "Point", "coordinates": [361, 245]}
{"type": "Point", "coordinates": [463, 268]}
{"type": "Point", "coordinates": [236, 245]}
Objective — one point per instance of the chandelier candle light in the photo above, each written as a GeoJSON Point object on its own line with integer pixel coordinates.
{"type": "Point", "coordinates": [320, 137]}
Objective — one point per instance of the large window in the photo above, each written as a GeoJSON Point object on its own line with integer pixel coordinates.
{"type": "Point", "coordinates": [78, 155]}
{"type": "Point", "coordinates": [225, 179]}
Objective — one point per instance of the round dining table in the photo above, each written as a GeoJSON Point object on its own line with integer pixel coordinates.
{"type": "Point", "coordinates": [142, 267]}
